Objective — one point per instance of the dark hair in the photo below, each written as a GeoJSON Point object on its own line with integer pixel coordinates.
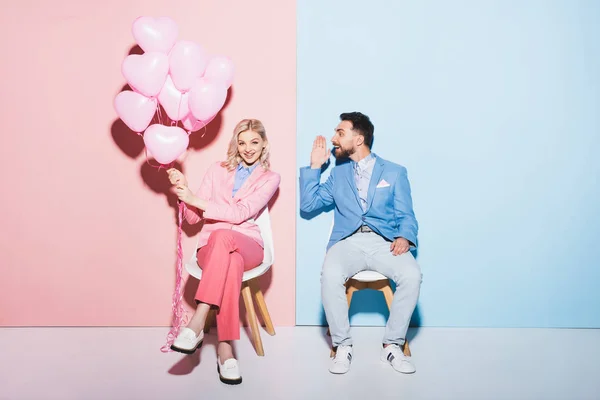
{"type": "Point", "coordinates": [362, 124]}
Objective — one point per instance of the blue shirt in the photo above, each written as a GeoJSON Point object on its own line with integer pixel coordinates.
{"type": "Point", "coordinates": [241, 174]}
{"type": "Point", "coordinates": [362, 176]}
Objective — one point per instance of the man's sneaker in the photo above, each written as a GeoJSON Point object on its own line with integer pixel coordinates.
{"type": "Point", "coordinates": [393, 355]}
{"type": "Point", "coordinates": [340, 363]}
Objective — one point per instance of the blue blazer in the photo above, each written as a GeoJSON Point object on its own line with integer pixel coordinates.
{"type": "Point", "coordinates": [389, 203]}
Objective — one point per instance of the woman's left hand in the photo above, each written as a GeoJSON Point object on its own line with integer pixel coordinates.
{"type": "Point", "coordinates": [185, 194]}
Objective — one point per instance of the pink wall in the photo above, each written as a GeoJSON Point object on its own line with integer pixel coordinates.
{"type": "Point", "coordinates": [88, 235]}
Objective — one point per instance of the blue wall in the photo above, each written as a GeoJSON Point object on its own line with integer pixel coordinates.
{"type": "Point", "coordinates": [494, 108]}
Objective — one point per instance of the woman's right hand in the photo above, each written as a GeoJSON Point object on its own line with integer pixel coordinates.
{"type": "Point", "coordinates": [176, 177]}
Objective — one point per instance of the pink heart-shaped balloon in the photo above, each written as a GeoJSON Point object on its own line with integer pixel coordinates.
{"type": "Point", "coordinates": [136, 110]}
{"type": "Point", "coordinates": [206, 98]}
{"type": "Point", "coordinates": [146, 73]}
{"type": "Point", "coordinates": [155, 34]}
{"type": "Point", "coordinates": [173, 101]}
{"type": "Point", "coordinates": [187, 63]}
{"type": "Point", "coordinates": [220, 69]}
{"type": "Point", "coordinates": [165, 143]}
{"type": "Point", "coordinates": [192, 124]}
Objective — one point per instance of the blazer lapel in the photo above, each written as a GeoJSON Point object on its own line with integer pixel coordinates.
{"type": "Point", "coordinates": [375, 177]}
{"type": "Point", "coordinates": [254, 176]}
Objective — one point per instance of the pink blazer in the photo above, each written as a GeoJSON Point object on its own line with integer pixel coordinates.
{"type": "Point", "coordinates": [237, 212]}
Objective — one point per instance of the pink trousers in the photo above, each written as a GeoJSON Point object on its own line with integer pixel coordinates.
{"type": "Point", "coordinates": [223, 261]}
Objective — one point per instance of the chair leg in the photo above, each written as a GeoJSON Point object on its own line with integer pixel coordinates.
{"type": "Point", "coordinates": [252, 320]}
{"type": "Point", "coordinates": [351, 288]}
{"type": "Point", "coordinates": [210, 319]}
{"type": "Point", "coordinates": [262, 306]}
{"type": "Point", "coordinates": [388, 294]}
{"type": "Point", "coordinates": [406, 349]}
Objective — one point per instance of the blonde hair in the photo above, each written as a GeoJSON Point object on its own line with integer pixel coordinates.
{"type": "Point", "coordinates": [233, 157]}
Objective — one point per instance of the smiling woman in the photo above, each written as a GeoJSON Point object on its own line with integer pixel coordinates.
{"type": "Point", "coordinates": [248, 144]}
{"type": "Point", "coordinates": [231, 196]}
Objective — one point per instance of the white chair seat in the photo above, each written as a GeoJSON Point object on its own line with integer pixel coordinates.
{"type": "Point", "coordinates": [264, 224]}
{"type": "Point", "coordinates": [194, 270]}
{"type": "Point", "coordinates": [368, 276]}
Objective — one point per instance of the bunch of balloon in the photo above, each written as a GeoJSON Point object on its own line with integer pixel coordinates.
{"type": "Point", "coordinates": [181, 76]}
{"type": "Point", "coordinates": [191, 86]}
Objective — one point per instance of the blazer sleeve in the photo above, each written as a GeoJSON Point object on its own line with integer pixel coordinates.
{"type": "Point", "coordinates": [247, 206]}
{"type": "Point", "coordinates": [403, 209]}
{"type": "Point", "coordinates": [314, 195]}
{"type": "Point", "coordinates": [192, 214]}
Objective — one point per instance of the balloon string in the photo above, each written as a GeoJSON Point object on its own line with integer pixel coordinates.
{"type": "Point", "coordinates": [174, 122]}
{"type": "Point", "coordinates": [180, 316]}
{"type": "Point", "coordinates": [159, 114]}
{"type": "Point", "coordinates": [159, 166]}
{"type": "Point", "coordinates": [204, 133]}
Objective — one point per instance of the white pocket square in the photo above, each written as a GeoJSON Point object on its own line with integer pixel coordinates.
{"type": "Point", "coordinates": [382, 184]}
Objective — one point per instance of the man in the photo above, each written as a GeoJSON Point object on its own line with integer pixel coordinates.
{"type": "Point", "coordinates": [374, 229]}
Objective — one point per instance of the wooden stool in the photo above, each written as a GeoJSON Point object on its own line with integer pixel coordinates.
{"type": "Point", "coordinates": [375, 281]}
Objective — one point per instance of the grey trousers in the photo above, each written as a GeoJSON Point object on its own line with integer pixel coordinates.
{"type": "Point", "coordinates": [368, 251]}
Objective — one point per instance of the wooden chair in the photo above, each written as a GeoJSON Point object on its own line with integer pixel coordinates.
{"type": "Point", "coordinates": [250, 285]}
{"type": "Point", "coordinates": [375, 281]}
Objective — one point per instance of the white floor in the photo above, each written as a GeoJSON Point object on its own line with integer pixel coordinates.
{"type": "Point", "coordinates": [126, 363]}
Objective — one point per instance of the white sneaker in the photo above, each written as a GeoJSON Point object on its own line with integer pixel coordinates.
{"type": "Point", "coordinates": [187, 342]}
{"type": "Point", "coordinates": [393, 355]}
{"type": "Point", "coordinates": [229, 371]}
{"type": "Point", "coordinates": [340, 363]}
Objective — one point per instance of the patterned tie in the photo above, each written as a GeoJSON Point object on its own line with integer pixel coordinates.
{"type": "Point", "coordinates": [358, 171]}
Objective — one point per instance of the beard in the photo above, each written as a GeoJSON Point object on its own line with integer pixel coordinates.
{"type": "Point", "coordinates": [340, 152]}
